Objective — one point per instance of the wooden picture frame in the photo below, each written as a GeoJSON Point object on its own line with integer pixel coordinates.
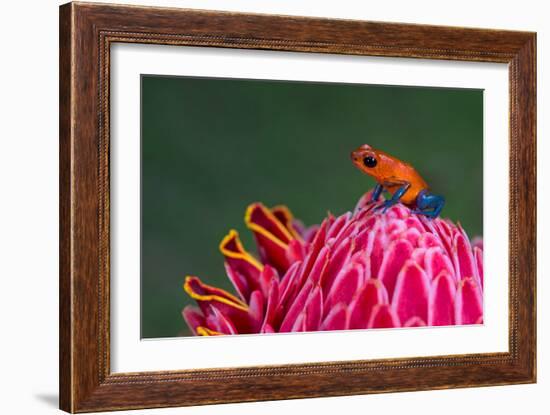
{"type": "Point", "coordinates": [86, 33]}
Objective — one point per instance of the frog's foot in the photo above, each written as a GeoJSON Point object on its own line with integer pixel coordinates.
{"type": "Point", "coordinates": [428, 204]}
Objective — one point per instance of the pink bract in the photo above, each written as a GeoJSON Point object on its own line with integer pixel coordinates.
{"type": "Point", "coordinates": [361, 270]}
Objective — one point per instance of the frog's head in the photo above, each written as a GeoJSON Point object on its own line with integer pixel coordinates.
{"type": "Point", "coordinates": [366, 159]}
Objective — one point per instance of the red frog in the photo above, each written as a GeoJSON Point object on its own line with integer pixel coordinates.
{"type": "Point", "coordinates": [398, 178]}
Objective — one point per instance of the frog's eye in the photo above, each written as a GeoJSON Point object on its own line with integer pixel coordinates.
{"type": "Point", "coordinates": [369, 161]}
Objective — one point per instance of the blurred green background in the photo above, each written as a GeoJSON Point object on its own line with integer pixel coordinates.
{"type": "Point", "coordinates": [212, 146]}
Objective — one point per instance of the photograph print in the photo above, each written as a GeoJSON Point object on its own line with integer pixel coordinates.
{"type": "Point", "coordinates": [281, 206]}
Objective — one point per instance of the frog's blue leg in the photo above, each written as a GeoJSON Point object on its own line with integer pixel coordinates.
{"type": "Point", "coordinates": [428, 204]}
{"type": "Point", "coordinates": [376, 193]}
{"type": "Point", "coordinates": [396, 196]}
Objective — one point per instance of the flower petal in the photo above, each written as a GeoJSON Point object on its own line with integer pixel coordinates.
{"type": "Point", "coordinates": [468, 302]}
{"type": "Point", "coordinates": [271, 235]}
{"type": "Point", "coordinates": [203, 293]}
{"type": "Point", "coordinates": [285, 216]}
{"type": "Point", "coordinates": [260, 219]}
{"type": "Point", "coordinates": [412, 235]}
{"type": "Point", "coordinates": [477, 242]}
{"type": "Point", "coordinates": [349, 231]}
{"type": "Point", "coordinates": [436, 261]}
{"type": "Point", "coordinates": [412, 291]}
{"type": "Point", "coordinates": [230, 306]}
{"type": "Point", "coordinates": [296, 308]}
{"type": "Point", "coordinates": [239, 281]}
{"type": "Point", "coordinates": [242, 268]}
{"type": "Point", "coordinates": [205, 331]}
{"type": "Point", "coordinates": [383, 317]}
{"type": "Point", "coordinates": [298, 325]}
{"type": "Point", "coordinates": [360, 258]}
{"type": "Point", "coordinates": [369, 222]}
{"type": "Point", "coordinates": [337, 261]}
{"type": "Point", "coordinates": [441, 311]}
{"type": "Point", "coordinates": [219, 323]}
{"type": "Point", "coordinates": [320, 266]}
{"type": "Point", "coordinates": [310, 318]}
{"type": "Point", "coordinates": [315, 247]}
{"type": "Point", "coordinates": [396, 228]}
{"type": "Point", "coordinates": [362, 239]}
{"type": "Point", "coordinates": [394, 259]}
{"type": "Point", "coordinates": [478, 255]}
{"type": "Point", "coordinates": [309, 233]}
{"type": "Point", "coordinates": [289, 286]}
{"type": "Point", "coordinates": [372, 294]}
{"type": "Point", "coordinates": [265, 280]}
{"type": "Point", "coordinates": [296, 251]}
{"type": "Point", "coordinates": [443, 231]}
{"type": "Point", "coordinates": [267, 329]}
{"type": "Point", "coordinates": [464, 260]}
{"type": "Point", "coordinates": [375, 250]}
{"type": "Point", "coordinates": [415, 322]}
{"type": "Point", "coordinates": [365, 202]}
{"type": "Point", "coordinates": [428, 240]}
{"type": "Point", "coordinates": [272, 305]}
{"type": "Point", "coordinates": [338, 225]}
{"type": "Point", "coordinates": [193, 317]}
{"type": "Point", "coordinates": [398, 212]}
{"type": "Point", "coordinates": [345, 286]}
{"type": "Point", "coordinates": [418, 255]}
{"type": "Point", "coordinates": [413, 222]}
{"type": "Point", "coordinates": [256, 310]}
{"type": "Point", "coordinates": [313, 310]}
{"type": "Point", "coordinates": [336, 319]}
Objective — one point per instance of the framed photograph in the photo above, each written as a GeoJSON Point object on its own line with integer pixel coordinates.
{"type": "Point", "coordinates": [259, 207]}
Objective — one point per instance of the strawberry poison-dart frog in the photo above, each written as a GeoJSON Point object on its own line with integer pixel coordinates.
{"type": "Point", "coordinates": [400, 179]}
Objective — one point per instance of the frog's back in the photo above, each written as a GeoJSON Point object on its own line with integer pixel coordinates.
{"type": "Point", "coordinates": [405, 172]}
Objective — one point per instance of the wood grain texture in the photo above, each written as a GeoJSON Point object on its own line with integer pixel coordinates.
{"type": "Point", "coordinates": [86, 33]}
{"type": "Point", "coordinates": [65, 249]}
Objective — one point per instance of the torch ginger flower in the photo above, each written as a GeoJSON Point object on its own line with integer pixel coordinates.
{"type": "Point", "coordinates": [361, 270]}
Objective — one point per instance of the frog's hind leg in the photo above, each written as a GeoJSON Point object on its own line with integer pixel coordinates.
{"type": "Point", "coordinates": [428, 204]}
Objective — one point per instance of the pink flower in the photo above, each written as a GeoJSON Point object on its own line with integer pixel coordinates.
{"type": "Point", "coordinates": [361, 270]}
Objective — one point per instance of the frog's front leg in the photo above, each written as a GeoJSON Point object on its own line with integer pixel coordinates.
{"type": "Point", "coordinates": [429, 204]}
{"type": "Point", "coordinates": [403, 187]}
{"type": "Point", "coordinates": [376, 193]}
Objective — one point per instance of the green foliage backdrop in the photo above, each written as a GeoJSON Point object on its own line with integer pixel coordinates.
{"type": "Point", "coordinates": [212, 146]}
